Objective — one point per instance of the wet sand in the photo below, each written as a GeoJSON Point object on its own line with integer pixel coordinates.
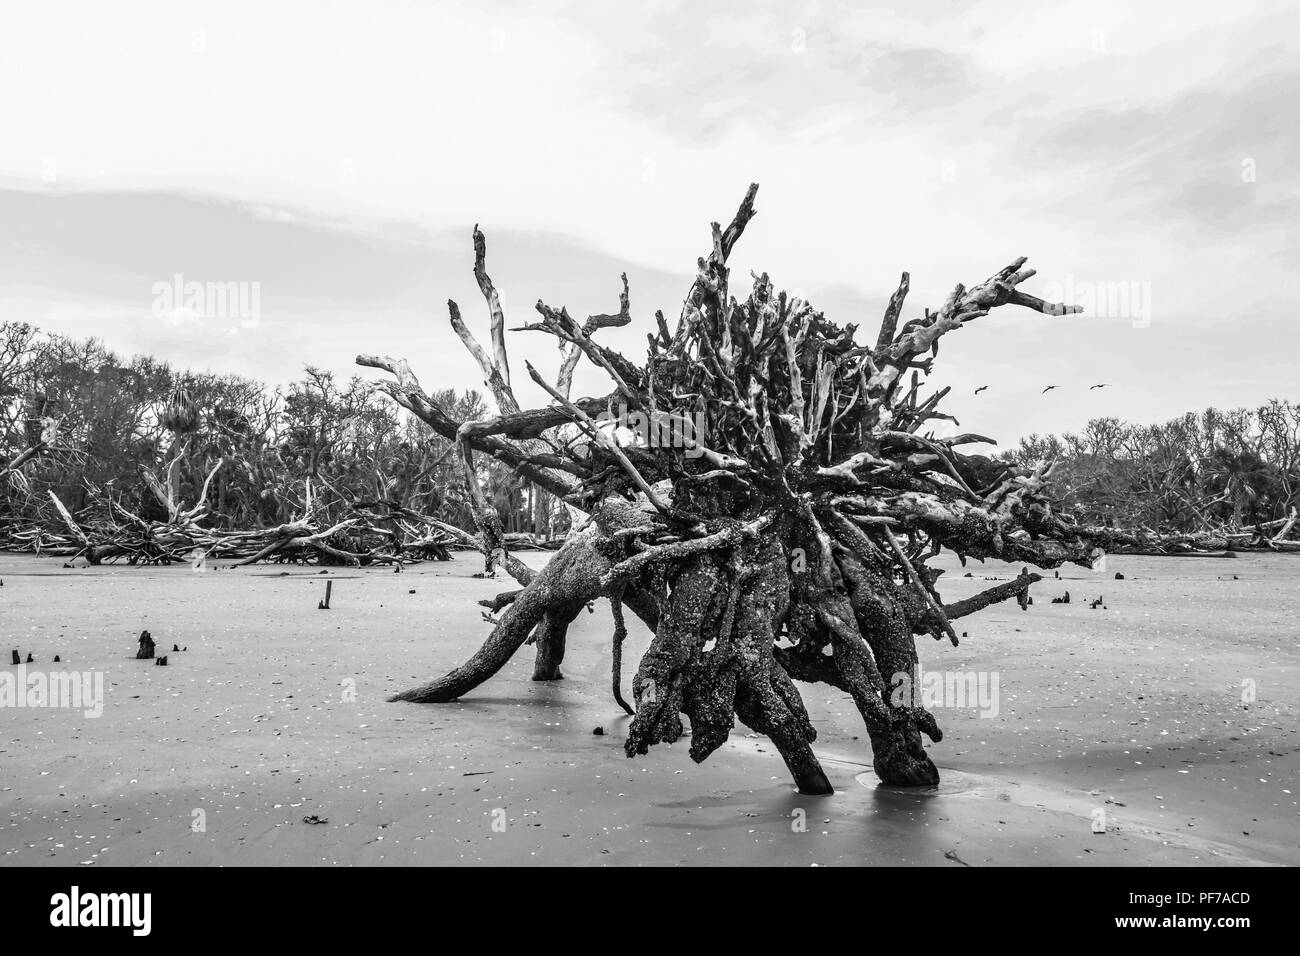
{"type": "Point", "coordinates": [1135, 710]}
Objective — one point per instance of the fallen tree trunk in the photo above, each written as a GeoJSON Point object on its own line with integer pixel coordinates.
{"type": "Point", "coordinates": [116, 533]}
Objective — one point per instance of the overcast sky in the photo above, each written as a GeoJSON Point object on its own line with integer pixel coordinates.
{"type": "Point", "coordinates": [1145, 156]}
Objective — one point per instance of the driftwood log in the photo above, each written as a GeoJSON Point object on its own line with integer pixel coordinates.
{"type": "Point", "coordinates": [762, 492]}
{"type": "Point", "coordinates": [784, 537]}
{"type": "Point", "coordinates": [115, 533]}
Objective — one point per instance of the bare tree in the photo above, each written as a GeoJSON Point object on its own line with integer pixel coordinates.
{"type": "Point", "coordinates": [770, 516]}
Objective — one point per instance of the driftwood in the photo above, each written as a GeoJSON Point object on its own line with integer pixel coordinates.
{"type": "Point", "coordinates": [767, 505]}
{"type": "Point", "coordinates": [1211, 542]}
{"type": "Point", "coordinates": [12, 468]}
{"type": "Point", "coordinates": [115, 533]}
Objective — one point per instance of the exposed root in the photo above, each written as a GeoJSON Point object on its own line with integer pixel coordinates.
{"type": "Point", "coordinates": [550, 639]}
{"type": "Point", "coordinates": [784, 537]}
{"type": "Point", "coordinates": [620, 635]}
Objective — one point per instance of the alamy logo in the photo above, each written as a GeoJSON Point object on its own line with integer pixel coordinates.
{"type": "Point", "coordinates": [656, 430]}
{"type": "Point", "coordinates": [70, 690]}
{"type": "Point", "coordinates": [1121, 299]}
{"type": "Point", "coordinates": [179, 299]}
{"type": "Point", "coordinates": [931, 689]}
{"type": "Point", "coordinates": [102, 909]}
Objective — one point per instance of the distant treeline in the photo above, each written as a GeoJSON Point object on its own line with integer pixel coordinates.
{"type": "Point", "coordinates": [1204, 470]}
{"type": "Point", "coordinates": [99, 419]}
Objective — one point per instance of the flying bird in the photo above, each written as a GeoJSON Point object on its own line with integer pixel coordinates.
{"type": "Point", "coordinates": [1103, 385]}
{"type": "Point", "coordinates": [1048, 389]}
{"type": "Point", "coordinates": [980, 389]}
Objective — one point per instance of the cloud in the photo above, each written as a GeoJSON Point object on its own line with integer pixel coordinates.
{"type": "Point", "coordinates": [91, 264]}
{"type": "Point", "coordinates": [703, 76]}
{"type": "Point", "coordinates": [1102, 138]}
{"type": "Point", "coordinates": [119, 243]}
{"type": "Point", "coordinates": [1216, 157]}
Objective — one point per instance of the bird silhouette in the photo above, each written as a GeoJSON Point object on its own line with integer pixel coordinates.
{"type": "Point", "coordinates": [1048, 389]}
{"type": "Point", "coordinates": [980, 389]}
{"type": "Point", "coordinates": [1103, 385]}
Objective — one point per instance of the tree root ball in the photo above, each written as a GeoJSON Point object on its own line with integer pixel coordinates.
{"type": "Point", "coordinates": [766, 504]}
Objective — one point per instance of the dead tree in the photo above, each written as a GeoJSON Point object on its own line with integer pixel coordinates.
{"type": "Point", "coordinates": [41, 433]}
{"type": "Point", "coordinates": [771, 515]}
{"type": "Point", "coordinates": [14, 466]}
{"type": "Point", "coordinates": [116, 533]}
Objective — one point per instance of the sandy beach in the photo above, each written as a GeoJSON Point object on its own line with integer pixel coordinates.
{"type": "Point", "coordinates": [277, 712]}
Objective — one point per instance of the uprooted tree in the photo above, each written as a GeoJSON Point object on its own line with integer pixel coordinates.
{"type": "Point", "coordinates": [782, 534]}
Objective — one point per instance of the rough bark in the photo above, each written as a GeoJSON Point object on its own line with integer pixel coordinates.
{"type": "Point", "coordinates": [785, 536]}
{"type": "Point", "coordinates": [550, 638]}
{"type": "Point", "coordinates": [571, 579]}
